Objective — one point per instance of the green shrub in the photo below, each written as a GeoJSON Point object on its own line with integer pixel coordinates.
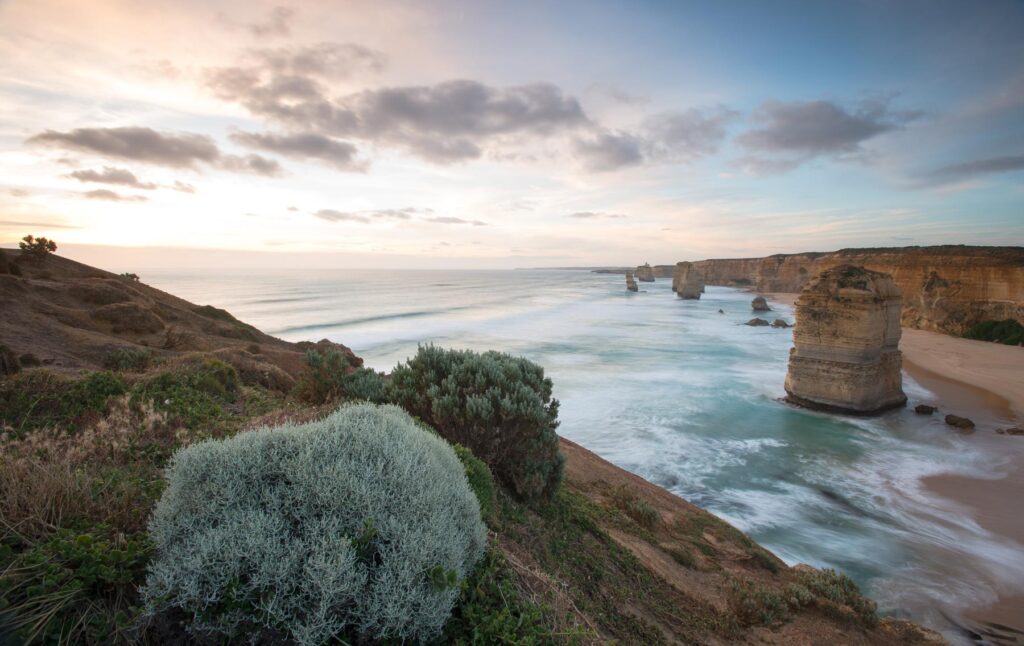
{"type": "Point", "coordinates": [128, 359]}
{"type": "Point", "coordinates": [839, 592]}
{"type": "Point", "coordinates": [480, 481]}
{"type": "Point", "coordinates": [1007, 331]}
{"type": "Point", "coordinates": [498, 406]}
{"type": "Point", "coordinates": [492, 610]}
{"type": "Point", "coordinates": [330, 376]}
{"type": "Point", "coordinates": [41, 398]}
{"type": "Point", "coordinates": [130, 277]}
{"type": "Point", "coordinates": [195, 393]}
{"type": "Point", "coordinates": [755, 604]}
{"type": "Point", "coordinates": [72, 588]}
{"type": "Point", "coordinates": [358, 526]}
{"type": "Point", "coordinates": [38, 247]}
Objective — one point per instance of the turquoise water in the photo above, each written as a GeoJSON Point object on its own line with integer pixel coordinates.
{"type": "Point", "coordinates": [687, 398]}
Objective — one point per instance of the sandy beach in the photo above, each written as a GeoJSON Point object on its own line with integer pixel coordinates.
{"type": "Point", "coordinates": [983, 381]}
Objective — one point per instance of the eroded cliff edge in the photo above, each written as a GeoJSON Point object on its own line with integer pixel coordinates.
{"type": "Point", "coordinates": [945, 288]}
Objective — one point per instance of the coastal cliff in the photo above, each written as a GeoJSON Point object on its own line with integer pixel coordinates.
{"type": "Point", "coordinates": [945, 288]}
{"type": "Point", "coordinates": [612, 557]}
{"type": "Point", "coordinates": [845, 354]}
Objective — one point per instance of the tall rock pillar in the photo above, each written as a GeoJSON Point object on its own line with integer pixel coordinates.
{"type": "Point", "coordinates": [845, 355]}
{"type": "Point", "coordinates": [687, 281]}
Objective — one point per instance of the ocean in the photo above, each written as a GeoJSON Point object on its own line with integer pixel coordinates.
{"type": "Point", "coordinates": [687, 398]}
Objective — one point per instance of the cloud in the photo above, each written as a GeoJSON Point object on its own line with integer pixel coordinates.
{"type": "Point", "coordinates": [968, 170]}
{"type": "Point", "coordinates": [339, 154]}
{"type": "Point", "coordinates": [182, 187]}
{"type": "Point", "coordinates": [278, 23]}
{"type": "Point", "coordinates": [451, 220]}
{"type": "Point", "coordinates": [682, 136]}
{"type": "Point", "coordinates": [42, 225]}
{"type": "Point", "coordinates": [443, 123]}
{"type": "Point", "coordinates": [666, 137]}
{"type": "Point", "coordinates": [171, 149]}
{"type": "Point", "coordinates": [105, 194]}
{"type": "Point", "coordinates": [593, 215]}
{"type": "Point", "coordinates": [322, 60]}
{"type": "Point", "coordinates": [609, 151]}
{"type": "Point", "coordinates": [795, 132]}
{"type": "Point", "coordinates": [18, 192]}
{"type": "Point", "coordinates": [112, 175]}
{"type": "Point", "coordinates": [407, 213]}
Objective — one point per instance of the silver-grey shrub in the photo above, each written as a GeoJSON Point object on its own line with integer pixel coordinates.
{"type": "Point", "coordinates": [353, 526]}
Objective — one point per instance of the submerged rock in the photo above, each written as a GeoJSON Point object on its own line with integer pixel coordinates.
{"type": "Point", "coordinates": [721, 312]}
{"type": "Point", "coordinates": [1010, 431]}
{"type": "Point", "coordinates": [645, 273]}
{"type": "Point", "coordinates": [759, 304]}
{"type": "Point", "coordinates": [757, 322]}
{"type": "Point", "coordinates": [924, 409]}
{"type": "Point", "coordinates": [780, 323]}
{"type": "Point", "coordinates": [630, 283]}
{"type": "Point", "coordinates": [687, 282]}
{"type": "Point", "coordinates": [845, 356]}
{"type": "Point", "coordinates": [960, 423]}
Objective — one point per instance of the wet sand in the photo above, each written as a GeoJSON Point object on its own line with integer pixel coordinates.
{"type": "Point", "coordinates": [985, 382]}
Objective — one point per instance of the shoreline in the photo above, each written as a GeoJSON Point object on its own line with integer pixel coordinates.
{"type": "Point", "coordinates": [983, 381]}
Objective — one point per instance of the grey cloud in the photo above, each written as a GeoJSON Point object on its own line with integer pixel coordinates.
{"type": "Point", "coordinates": [451, 220]}
{"type": "Point", "coordinates": [112, 175]}
{"type": "Point", "coordinates": [324, 60]}
{"type": "Point", "coordinates": [331, 215]}
{"type": "Point", "coordinates": [593, 215]}
{"type": "Point", "coordinates": [444, 123]}
{"type": "Point", "coordinates": [791, 133]}
{"type": "Point", "coordinates": [407, 213]}
{"type": "Point", "coordinates": [253, 164]}
{"type": "Point", "coordinates": [177, 150]}
{"type": "Point", "coordinates": [967, 170]}
{"type": "Point", "coordinates": [609, 151]}
{"type": "Point", "coordinates": [686, 135]}
{"type": "Point", "coordinates": [278, 23]}
{"type": "Point", "coordinates": [339, 154]}
{"type": "Point", "coordinates": [172, 149]}
{"type": "Point", "coordinates": [182, 187]}
{"type": "Point", "coordinates": [105, 194]}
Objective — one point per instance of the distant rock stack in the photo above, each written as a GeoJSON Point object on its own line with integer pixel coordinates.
{"type": "Point", "coordinates": [630, 283]}
{"type": "Point", "coordinates": [759, 304]}
{"type": "Point", "coordinates": [645, 273]}
{"type": "Point", "coordinates": [845, 356]}
{"type": "Point", "coordinates": [687, 282]}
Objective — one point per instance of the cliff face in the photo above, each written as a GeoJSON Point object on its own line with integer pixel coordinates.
{"type": "Point", "coordinates": [687, 282]}
{"type": "Point", "coordinates": [645, 273]}
{"type": "Point", "coordinates": [845, 353]}
{"type": "Point", "coordinates": [945, 289]}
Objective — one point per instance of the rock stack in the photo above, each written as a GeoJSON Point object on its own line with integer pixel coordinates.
{"type": "Point", "coordinates": [759, 304]}
{"type": "Point", "coordinates": [630, 283]}
{"type": "Point", "coordinates": [687, 282]}
{"type": "Point", "coordinates": [645, 273]}
{"type": "Point", "coordinates": [846, 354]}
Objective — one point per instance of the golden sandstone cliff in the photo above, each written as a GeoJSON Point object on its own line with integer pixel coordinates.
{"type": "Point", "coordinates": [687, 281]}
{"type": "Point", "coordinates": [945, 289]}
{"type": "Point", "coordinates": [645, 273]}
{"type": "Point", "coordinates": [845, 354]}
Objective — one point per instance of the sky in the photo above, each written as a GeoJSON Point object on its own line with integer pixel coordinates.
{"type": "Point", "coordinates": [476, 134]}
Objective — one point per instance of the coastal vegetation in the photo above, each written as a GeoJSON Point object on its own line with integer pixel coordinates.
{"type": "Point", "coordinates": [1007, 332]}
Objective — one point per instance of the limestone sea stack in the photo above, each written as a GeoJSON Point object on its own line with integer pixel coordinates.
{"type": "Point", "coordinates": [687, 282]}
{"type": "Point", "coordinates": [630, 283]}
{"type": "Point", "coordinates": [845, 355]}
{"type": "Point", "coordinates": [759, 304]}
{"type": "Point", "coordinates": [645, 273]}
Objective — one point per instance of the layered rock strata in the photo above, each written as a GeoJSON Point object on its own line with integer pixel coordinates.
{"type": "Point", "coordinates": [645, 273]}
{"type": "Point", "coordinates": [945, 288]}
{"type": "Point", "coordinates": [687, 282]}
{"type": "Point", "coordinates": [845, 355]}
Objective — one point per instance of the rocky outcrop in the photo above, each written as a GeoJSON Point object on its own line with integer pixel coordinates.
{"type": "Point", "coordinates": [945, 289]}
{"type": "Point", "coordinates": [845, 355]}
{"type": "Point", "coordinates": [687, 282]}
{"type": "Point", "coordinates": [962, 424]}
{"type": "Point", "coordinates": [630, 283]}
{"type": "Point", "coordinates": [780, 324]}
{"type": "Point", "coordinates": [644, 273]}
{"type": "Point", "coordinates": [758, 322]}
{"type": "Point", "coordinates": [759, 304]}
{"type": "Point", "coordinates": [924, 409]}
